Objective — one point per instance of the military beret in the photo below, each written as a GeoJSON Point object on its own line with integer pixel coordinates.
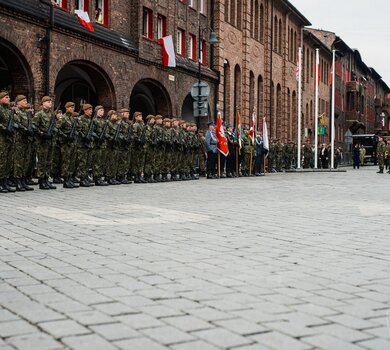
{"type": "Point", "coordinates": [20, 98]}
{"type": "Point", "coordinates": [136, 114]}
{"type": "Point", "coordinates": [87, 106]}
{"type": "Point", "coordinates": [166, 120]}
{"type": "Point", "coordinates": [98, 107]}
{"type": "Point", "coordinates": [124, 110]}
{"type": "Point", "coordinates": [111, 112]}
{"type": "Point", "coordinates": [173, 119]}
{"type": "Point", "coordinates": [150, 116]}
{"type": "Point", "coordinates": [3, 94]}
{"type": "Point", "coordinates": [181, 122]}
{"type": "Point", "coordinates": [211, 123]}
{"type": "Point", "coordinates": [157, 117]}
{"type": "Point", "coordinates": [75, 114]}
{"type": "Point", "coordinates": [46, 98]}
{"type": "Point", "coordinates": [69, 104]}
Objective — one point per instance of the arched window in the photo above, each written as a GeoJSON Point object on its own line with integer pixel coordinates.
{"type": "Point", "coordinates": [307, 66]}
{"type": "Point", "coordinates": [256, 28]}
{"type": "Point", "coordinates": [303, 64]}
{"type": "Point", "coordinates": [311, 64]}
{"type": "Point", "coordinates": [251, 92]}
{"type": "Point", "coordinates": [291, 45]}
{"type": "Point", "coordinates": [295, 46]}
{"type": "Point", "coordinates": [237, 87]}
{"type": "Point", "coordinates": [253, 20]}
{"type": "Point", "coordinates": [271, 122]}
{"type": "Point", "coordinates": [278, 131]}
{"type": "Point", "coordinates": [227, 3]}
{"type": "Point", "coordinates": [311, 114]}
{"type": "Point", "coordinates": [260, 96]}
{"type": "Point", "coordinates": [232, 12]}
{"type": "Point", "coordinates": [275, 46]}
{"type": "Point", "coordinates": [280, 43]}
{"type": "Point", "coordinates": [239, 14]}
{"type": "Point", "coordinates": [261, 23]}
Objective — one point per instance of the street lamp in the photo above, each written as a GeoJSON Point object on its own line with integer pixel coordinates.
{"type": "Point", "coordinates": [212, 41]}
{"type": "Point", "coordinates": [383, 115]}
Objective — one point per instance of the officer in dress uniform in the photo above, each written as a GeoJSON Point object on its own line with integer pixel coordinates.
{"type": "Point", "coordinates": [211, 146]}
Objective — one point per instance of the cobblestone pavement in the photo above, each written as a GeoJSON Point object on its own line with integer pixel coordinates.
{"type": "Point", "coordinates": [285, 262]}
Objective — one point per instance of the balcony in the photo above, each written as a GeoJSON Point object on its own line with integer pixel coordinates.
{"type": "Point", "coordinates": [352, 86]}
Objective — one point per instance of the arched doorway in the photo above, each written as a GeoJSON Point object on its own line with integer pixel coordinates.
{"type": "Point", "coordinates": [84, 82]}
{"type": "Point", "coordinates": [150, 97]}
{"type": "Point", "coordinates": [15, 73]}
{"type": "Point", "coordinates": [187, 110]}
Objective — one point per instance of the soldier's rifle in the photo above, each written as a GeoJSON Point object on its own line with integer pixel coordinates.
{"type": "Point", "coordinates": [142, 139]}
{"type": "Point", "coordinates": [53, 121]}
{"type": "Point", "coordinates": [171, 137]}
{"type": "Point", "coordinates": [164, 128]}
{"type": "Point", "coordinates": [10, 125]}
{"type": "Point", "coordinates": [154, 137]}
{"type": "Point", "coordinates": [102, 136]}
{"type": "Point", "coordinates": [73, 131]}
{"type": "Point", "coordinates": [117, 130]}
{"type": "Point", "coordinates": [89, 134]}
{"type": "Point", "coordinates": [30, 129]}
{"type": "Point", "coordinates": [129, 137]}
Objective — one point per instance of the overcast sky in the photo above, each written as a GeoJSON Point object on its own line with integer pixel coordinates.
{"type": "Point", "coordinates": [362, 24]}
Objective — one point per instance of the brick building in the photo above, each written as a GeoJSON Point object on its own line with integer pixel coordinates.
{"type": "Point", "coordinates": [45, 50]}
{"type": "Point", "coordinates": [257, 61]}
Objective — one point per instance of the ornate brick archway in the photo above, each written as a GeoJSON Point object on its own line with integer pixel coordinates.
{"type": "Point", "coordinates": [83, 81]}
{"type": "Point", "coordinates": [15, 72]}
{"type": "Point", "coordinates": [150, 97]}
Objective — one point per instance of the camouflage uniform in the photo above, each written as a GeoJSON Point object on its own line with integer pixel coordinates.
{"type": "Point", "coordinates": [100, 151]}
{"type": "Point", "coordinates": [150, 146]}
{"type": "Point", "coordinates": [138, 158]}
{"type": "Point", "coordinates": [307, 155]}
{"type": "Point", "coordinates": [6, 146]}
{"type": "Point", "coordinates": [380, 152]}
{"type": "Point", "coordinates": [246, 148]}
{"type": "Point", "coordinates": [114, 141]}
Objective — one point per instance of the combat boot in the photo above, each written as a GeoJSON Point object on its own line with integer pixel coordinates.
{"type": "Point", "coordinates": [3, 189]}
{"type": "Point", "coordinates": [6, 185]}
{"type": "Point", "coordinates": [85, 183]}
{"type": "Point", "coordinates": [51, 186]}
{"type": "Point", "coordinates": [67, 183]}
{"type": "Point", "coordinates": [157, 177]}
{"type": "Point", "coordinates": [142, 180]}
{"type": "Point", "coordinates": [19, 186]}
{"type": "Point", "coordinates": [151, 180]}
{"type": "Point", "coordinates": [380, 171]}
{"type": "Point", "coordinates": [101, 182]}
{"type": "Point", "coordinates": [164, 178]}
{"type": "Point", "coordinates": [58, 180]}
{"type": "Point", "coordinates": [26, 187]}
{"type": "Point", "coordinates": [30, 182]}
{"type": "Point", "coordinates": [42, 184]}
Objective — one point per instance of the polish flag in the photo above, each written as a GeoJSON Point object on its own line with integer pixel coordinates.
{"type": "Point", "coordinates": [331, 76]}
{"type": "Point", "coordinates": [265, 136]}
{"type": "Point", "coordinates": [84, 19]}
{"type": "Point", "coordinates": [222, 144]}
{"type": "Point", "coordinates": [168, 51]}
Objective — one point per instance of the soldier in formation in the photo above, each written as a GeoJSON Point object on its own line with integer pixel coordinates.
{"type": "Point", "coordinates": [92, 148]}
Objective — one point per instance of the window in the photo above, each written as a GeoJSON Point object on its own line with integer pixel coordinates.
{"type": "Point", "coordinates": [147, 23]}
{"type": "Point", "coordinates": [181, 42]}
{"type": "Point", "coordinates": [61, 3]}
{"type": "Point", "coordinates": [202, 6]}
{"type": "Point", "coordinates": [192, 47]}
{"type": "Point", "coordinates": [191, 3]}
{"type": "Point", "coordinates": [261, 23]}
{"type": "Point", "coordinates": [203, 54]}
{"type": "Point", "coordinates": [101, 12]}
{"type": "Point", "coordinates": [161, 26]}
{"type": "Point", "coordinates": [81, 5]}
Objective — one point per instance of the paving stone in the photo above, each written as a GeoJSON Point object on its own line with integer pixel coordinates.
{"type": "Point", "coordinates": [324, 341]}
{"type": "Point", "coordinates": [18, 327]}
{"type": "Point", "coordinates": [276, 340]}
{"type": "Point", "coordinates": [60, 329]}
{"type": "Point", "coordinates": [222, 338]}
{"type": "Point", "coordinates": [114, 309]}
{"type": "Point", "coordinates": [375, 344]}
{"type": "Point", "coordinates": [140, 343]}
{"type": "Point", "coordinates": [88, 342]}
{"type": "Point", "coordinates": [115, 331]}
{"type": "Point", "coordinates": [139, 321]}
{"type": "Point", "coordinates": [36, 341]}
{"type": "Point", "coordinates": [167, 335]}
{"type": "Point", "coordinates": [342, 332]}
{"type": "Point", "coordinates": [90, 317]}
{"type": "Point", "coordinates": [187, 323]}
{"type": "Point", "coordinates": [194, 345]}
{"type": "Point", "coordinates": [241, 326]}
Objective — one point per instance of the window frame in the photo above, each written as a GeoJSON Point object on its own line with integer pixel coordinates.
{"type": "Point", "coordinates": [63, 5]}
{"type": "Point", "coordinates": [147, 23]}
{"type": "Point", "coordinates": [105, 8]}
{"type": "Point", "coordinates": [192, 47]}
{"type": "Point", "coordinates": [161, 27]}
{"type": "Point", "coordinates": [181, 42]}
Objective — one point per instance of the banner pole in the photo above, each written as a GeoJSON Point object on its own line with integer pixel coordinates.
{"type": "Point", "coordinates": [219, 164]}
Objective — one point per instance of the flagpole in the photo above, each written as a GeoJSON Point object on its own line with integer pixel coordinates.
{"type": "Point", "coordinates": [299, 105]}
{"type": "Point", "coordinates": [332, 116]}
{"type": "Point", "coordinates": [219, 164]}
{"type": "Point", "coordinates": [237, 161]}
{"type": "Point", "coordinates": [316, 112]}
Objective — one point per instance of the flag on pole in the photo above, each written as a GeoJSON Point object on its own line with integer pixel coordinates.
{"type": "Point", "coordinates": [252, 126]}
{"type": "Point", "coordinates": [222, 144]}
{"type": "Point", "coordinates": [265, 136]}
{"type": "Point", "coordinates": [319, 73]}
{"type": "Point", "coordinates": [168, 51]}
{"type": "Point", "coordinates": [84, 19]}
{"type": "Point", "coordinates": [238, 130]}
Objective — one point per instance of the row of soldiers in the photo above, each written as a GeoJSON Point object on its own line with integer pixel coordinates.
{"type": "Point", "coordinates": [90, 148]}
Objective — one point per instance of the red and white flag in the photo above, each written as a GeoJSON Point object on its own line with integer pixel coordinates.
{"type": "Point", "coordinates": [265, 136]}
{"type": "Point", "coordinates": [222, 144]}
{"type": "Point", "coordinates": [168, 51]}
{"type": "Point", "coordinates": [84, 19]}
{"type": "Point", "coordinates": [331, 76]}
{"type": "Point", "coordinates": [252, 122]}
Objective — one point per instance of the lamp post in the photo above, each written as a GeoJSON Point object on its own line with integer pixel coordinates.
{"type": "Point", "coordinates": [383, 115]}
{"type": "Point", "coordinates": [212, 41]}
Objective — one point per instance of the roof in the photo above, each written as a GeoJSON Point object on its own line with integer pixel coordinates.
{"type": "Point", "coordinates": [40, 11]}
{"type": "Point", "coordinates": [294, 10]}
